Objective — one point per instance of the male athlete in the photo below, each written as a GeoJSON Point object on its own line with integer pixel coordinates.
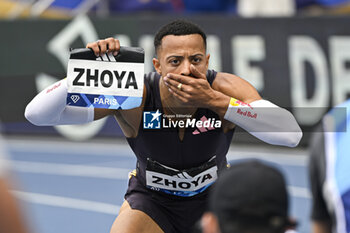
{"type": "Point", "coordinates": [329, 172]}
{"type": "Point", "coordinates": [175, 165]}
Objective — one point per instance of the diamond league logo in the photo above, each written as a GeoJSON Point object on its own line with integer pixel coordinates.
{"type": "Point", "coordinates": [75, 98]}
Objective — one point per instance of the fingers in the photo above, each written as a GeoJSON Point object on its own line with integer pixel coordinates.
{"type": "Point", "coordinates": [176, 79]}
{"type": "Point", "coordinates": [95, 48]}
{"type": "Point", "coordinates": [103, 46]}
{"type": "Point", "coordinates": [180, 94]}
{"type": "Point", "coordinates": [171, 82]}
{"type": "Point", "coordinates": [192, 91]}
{"type": "Point", "coordinates": [189, 84]}
{"type": "Point", "coordinates": [113, 45]}
{"type": "Point", "coordinates": [179, 91]}
{"type": "Point", "coordinates": [189, 80]}
{"type": "Point", "coordinates": [183, 89]}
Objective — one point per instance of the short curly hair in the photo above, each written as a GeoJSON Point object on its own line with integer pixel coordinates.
{"type": "Point", "coordinates": [178, 27]}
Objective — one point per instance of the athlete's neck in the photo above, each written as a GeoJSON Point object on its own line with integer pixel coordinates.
{"type": "Point", "coordinates": [171, 104]}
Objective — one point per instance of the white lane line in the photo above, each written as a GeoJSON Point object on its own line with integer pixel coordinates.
{"type": "Point", "coordinates": [70, 170]}
{"type": "Point", "coordinates": [119, 149]}
{"type": "Point", "coordinates": [73, 150]}
{"type": "Point", "coordinates": [104, 172]}
{"type": "Point", "coordinates": [300, 192]}
{"type": "Point", "coordinates": [67, 202]}
{"type": "Point", "coordinates": [100, 207]}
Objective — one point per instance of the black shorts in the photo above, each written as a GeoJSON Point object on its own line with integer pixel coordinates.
{"type": "Point", "coordinates": [173, 214]}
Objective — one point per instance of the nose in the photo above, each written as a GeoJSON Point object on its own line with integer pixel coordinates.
{"type": "Point", "coordinates": [185, 68]}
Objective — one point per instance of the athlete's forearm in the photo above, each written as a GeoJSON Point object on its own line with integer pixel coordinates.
{"type": "Point", "coordinates": [218, 102]}
{"type": "Point", "coordinates": [261, 118]}
{"type": "Point", "coordinates": [49, 108]}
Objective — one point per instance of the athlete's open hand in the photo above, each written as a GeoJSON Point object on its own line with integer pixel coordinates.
{"type": "Point", "coordinates": [191, 90]}
{"type": "Point", "coordinates": [109, 45]}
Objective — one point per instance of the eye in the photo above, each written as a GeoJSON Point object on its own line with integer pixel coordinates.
{"type": "Point", "coordinates": [174, 61]}
{"type": "Point", "coordinates": [197, 59]}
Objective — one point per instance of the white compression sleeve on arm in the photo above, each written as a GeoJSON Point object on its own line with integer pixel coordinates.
{"type": "Point", "coordinates": [266, 121]}
{"type": "Point", "coordinates": [49, 108]}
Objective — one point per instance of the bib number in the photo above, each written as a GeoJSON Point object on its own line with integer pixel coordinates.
{"type": "Point", "coordinates": [181, 182]}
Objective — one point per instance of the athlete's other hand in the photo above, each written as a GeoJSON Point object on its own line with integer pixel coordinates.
{"type": "Point", "coordinates": [108, 45]}
{"type": "Point", "coordinates": [195, 89]}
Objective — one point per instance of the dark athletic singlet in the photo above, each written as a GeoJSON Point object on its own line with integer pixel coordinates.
{"type": "Point", "coordinates": [164, 145]}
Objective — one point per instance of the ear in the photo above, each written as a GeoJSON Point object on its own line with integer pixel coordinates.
{"type": "Point", "coordinates": [157, 66]}
{"type": "Point", "coordinates": [209, 223]}
{"type": "Point", "coordinates": [207, 64]}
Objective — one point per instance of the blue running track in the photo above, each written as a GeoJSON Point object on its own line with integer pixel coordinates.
{"type": "Point", "coordinates": [75, 187]}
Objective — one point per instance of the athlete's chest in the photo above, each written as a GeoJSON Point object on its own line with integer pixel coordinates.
{"type": "Point", "coordinates": [202, 136]}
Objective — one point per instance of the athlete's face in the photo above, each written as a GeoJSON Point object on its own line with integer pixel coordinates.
{"type": "Point", "coordinates": [177, 53]}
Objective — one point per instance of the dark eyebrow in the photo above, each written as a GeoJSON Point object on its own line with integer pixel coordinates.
{"type": "Point", "coordinates": [181, 57]}
{"type": "Point", "coordinates": [173, 56]}
{"type": "Point", "coordinates": [196, 55]}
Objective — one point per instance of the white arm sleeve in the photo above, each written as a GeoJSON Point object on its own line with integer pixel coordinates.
{"type": "Point", "coordinates": [49, 108]}
{"type": "Point", "coordinates": [266, 121]}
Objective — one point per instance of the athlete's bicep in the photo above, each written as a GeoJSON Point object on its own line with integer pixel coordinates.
{"type": "Point", "coordinates": [129, 119]}
{"type": "Point", "coordinates": [101, 113]}
{"type": "Point", "coordinates": [133, 116]}
{"type": "Point", "coordinates": [234, 86]}
{"type": "Point", "coordinates": [125, 113]}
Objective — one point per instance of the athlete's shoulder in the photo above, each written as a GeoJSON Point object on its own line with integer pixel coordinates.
{"type": "Point", "coordinates": [235, 86]}
{"type": "Point", "coordinates": [150, 79]}
{"type": "Point", "coordinates": [227, 80]}
{"type": "Point", "coordinates": [151, 75]}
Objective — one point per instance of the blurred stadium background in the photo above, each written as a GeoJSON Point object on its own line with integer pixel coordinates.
{"type": "Point", "coordinates": [72, 178]}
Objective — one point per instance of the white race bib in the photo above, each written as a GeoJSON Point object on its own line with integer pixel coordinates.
{"type": "Point", "coordinates": [180, 183]}
{"type": "Point", "coordinates": [105, 82]}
